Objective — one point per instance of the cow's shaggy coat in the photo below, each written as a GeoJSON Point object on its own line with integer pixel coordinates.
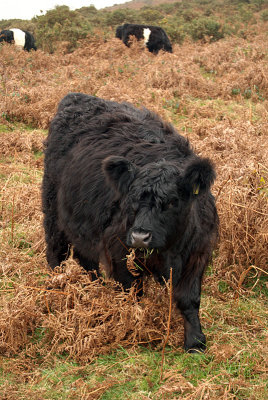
{"type": "Point", "coordinates": [117, 177]}
{"type": "Point", "coordinates": [154, 37]}
{"type": "Point", "coordinates": [20, 38]}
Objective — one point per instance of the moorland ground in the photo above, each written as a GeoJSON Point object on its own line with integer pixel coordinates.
{"type": "Point", "coordinates": [65, 337]}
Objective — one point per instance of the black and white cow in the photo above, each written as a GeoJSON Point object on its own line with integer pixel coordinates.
{"type": "Point", "coordinates": [22, 39]}
{"type": "Point", "coordinates": [118, 177]}
{"type": "Point", "coordinates": [155, 38]}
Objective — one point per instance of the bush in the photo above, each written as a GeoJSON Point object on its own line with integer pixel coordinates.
{"type": "Point", "coordinates": [60, 24]}
{"type": "Point", "coordinates": [264, 15]}
{"type": "Point", "coordinates": [119, 17]}
{"type": "Point", "coordinates": [246, 15]}
{"type": "Point", "coordinates": [174, 29]}
{"type": "Point", "coordinates": [189, 15]}
{"type": "Point", "coordinates": [205, 27]}
{"type": "Point", "coordinates": [151, 16]}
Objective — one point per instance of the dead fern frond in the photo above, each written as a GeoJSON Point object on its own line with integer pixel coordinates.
{"type": "Point", "coordinates": [131, 265]}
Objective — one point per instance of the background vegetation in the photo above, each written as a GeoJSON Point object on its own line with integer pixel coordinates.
{"type": "Point", "coordinates": [65, 337]}
{"type": "Point", "coordinates": [194, 19]}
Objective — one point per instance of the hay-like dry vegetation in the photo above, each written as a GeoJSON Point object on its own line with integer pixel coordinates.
{"type": "Point", "coordinates": [216, 95]}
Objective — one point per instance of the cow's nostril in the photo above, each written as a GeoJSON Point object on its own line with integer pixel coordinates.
{"type": "Point", "coordinates": [140, 239]}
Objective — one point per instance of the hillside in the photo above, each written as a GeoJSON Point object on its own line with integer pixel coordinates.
{"type": "Point", "coordinates": [193, 20]}
{"type": "Point", "coordinates": [138, 4]}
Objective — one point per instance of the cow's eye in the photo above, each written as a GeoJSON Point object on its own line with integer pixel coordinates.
{"type": "Point", "coordinates": [135, 206]}
{"type": "Point", "coordinates": [173, 204]}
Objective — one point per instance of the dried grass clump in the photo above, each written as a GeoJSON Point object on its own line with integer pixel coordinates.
{"type": "Point", "coordinates": [238, 66]}
{"type": "Point", "coordinates": [244, 221]}
{"type": "Point", "coordinates": [240, 152]}
{"type": "Point", "coordinates": [18, 321]}
{"type": "Point", "coordinates": [21, 144]}
{"type": "Point", "coordinates": [82, 317]}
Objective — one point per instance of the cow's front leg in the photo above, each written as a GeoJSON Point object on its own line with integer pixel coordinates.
{"type": "Point", "coordinates": [194, 338]}
{"type": "Point", "coordinates": [122, 275]}
{"type": "Point", "coordinates": [187, 297]}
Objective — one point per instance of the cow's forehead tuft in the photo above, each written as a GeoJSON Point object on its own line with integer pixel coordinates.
{"type": "Point", "coordinates": [159, 172]}
{"type": "Point", "coordinates": [157, 184]}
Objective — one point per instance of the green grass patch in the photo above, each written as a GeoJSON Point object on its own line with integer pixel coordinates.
{"type": "Point", "coordinates": [209, 75]}
{"type": "Point", "coordinates": [181, 112]}
{"type": "Point", "coordinates": [38, 154]}
{"type": "Point", "coordinates": [5, 128]}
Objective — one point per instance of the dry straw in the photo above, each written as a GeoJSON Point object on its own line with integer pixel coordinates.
{"type": "Point", "coordinates": [203, 90]}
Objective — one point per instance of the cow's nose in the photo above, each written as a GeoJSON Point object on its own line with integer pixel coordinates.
{"type": "Point", "coordinates": [141, 239]}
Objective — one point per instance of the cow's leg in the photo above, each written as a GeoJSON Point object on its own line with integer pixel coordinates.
{"type": "Point", "coordinates": [122, 275]}
{"type": "Point", "coordinates": [187, 297]}
{"type": "Point", "coordinates": [88, 264]}
{"type": "Point", "coordinates": [57, 245]}
{"type": "Point", "coordinates": [125, 40]}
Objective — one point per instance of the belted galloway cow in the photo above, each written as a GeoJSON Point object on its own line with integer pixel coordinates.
{"type": "Point", "coordinates": [117, 178]}
{"type": "Point", "coordinates": [154, 37]}
{"type": "Point", "coordinates": [21, 39]}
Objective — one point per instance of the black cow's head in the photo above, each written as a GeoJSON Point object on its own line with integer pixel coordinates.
{"type": "Point", "coordinates": [3, 36]}
{"type": "Point", "coordinates": [158, 197]}
{"type": "Point", "coordinates": [119, 32]}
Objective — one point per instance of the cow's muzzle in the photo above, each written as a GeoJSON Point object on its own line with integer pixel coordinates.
{"type": "Point", "coordinates": [140, 239]}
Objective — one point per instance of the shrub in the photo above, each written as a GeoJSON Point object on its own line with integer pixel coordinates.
{"type": "Point", "coordinates": [264, 15]}
{"type": "Point", "coordinates": [203, 27]}
{"type": "Point", "coordinates": [246, 15]}
{"type": "Point", "coordinates": [174, 29]}
{"type": "Point", "coordinates": [60, 24]}
{"type": "Point", "coordinates": [119, 17]}
{"type": "Point", "coordinates": [151, 16]}
{"type": "Point", "coordinates": [189, 15]}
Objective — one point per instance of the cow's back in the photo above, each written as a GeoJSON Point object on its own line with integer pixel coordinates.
{"type": "Point", "coordinates": [108, 128]}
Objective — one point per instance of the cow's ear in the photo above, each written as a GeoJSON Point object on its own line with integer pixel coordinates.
{"type": "Point", "coordinates": [199, 176]}
{"type": "Point", "coordinates": [119, 172]}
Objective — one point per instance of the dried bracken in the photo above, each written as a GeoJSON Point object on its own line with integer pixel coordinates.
{"type": "Point", "coordinates": [131, 266]}
{"type": "Point", "coordinates": [81, 316]}
{"type": "Point", "coordinates": [214, 93]}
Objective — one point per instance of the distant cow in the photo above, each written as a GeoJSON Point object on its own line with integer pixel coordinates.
{"type": "Point", "coordinates": [155, 38]}
{"type": "Point", "coordinates": [117, 177]}
{"type": "Point", "coordinates": [23, 39]}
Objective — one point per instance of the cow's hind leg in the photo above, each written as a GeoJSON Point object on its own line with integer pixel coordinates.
{"type": "Point", "coordinates": [187, 296]}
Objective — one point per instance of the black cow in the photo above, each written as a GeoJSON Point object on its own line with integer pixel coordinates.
{"type": "Point", "coordinates": [117, 177]}
{"type": "Point", "coordinates": [23, 39]}
{"type": "Point", "coordinates": [155, 38]}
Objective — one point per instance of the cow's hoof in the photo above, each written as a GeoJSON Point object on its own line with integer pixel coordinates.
{"type": "Point", "coordinates": [196, 344]}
